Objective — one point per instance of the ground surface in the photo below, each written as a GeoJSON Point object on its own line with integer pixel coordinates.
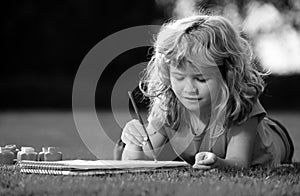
{"type": "Point", "coordinates": [39, 129]}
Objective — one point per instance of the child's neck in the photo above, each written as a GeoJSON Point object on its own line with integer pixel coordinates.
{"type": "Point", "coordinates": [199, 121]}
{"type": "Point", "coordinates": [204, 115]}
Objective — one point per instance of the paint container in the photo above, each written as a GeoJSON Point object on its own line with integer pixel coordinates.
{"type": "Point", "coordinates": [27, 153]}
{"type": "Point", "coordinates": [12, 148]}
{"type": "Point", "coordinates": [53, 154]}
{"type": "Point", "coordinates": [6, 156]}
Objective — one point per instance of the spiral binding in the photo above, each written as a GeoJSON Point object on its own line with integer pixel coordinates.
{"type": "Point", "coordinates": [42, 167]}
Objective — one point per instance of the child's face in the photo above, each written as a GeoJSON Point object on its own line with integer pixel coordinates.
{"type": "Point", "coordinates": [194, 90]}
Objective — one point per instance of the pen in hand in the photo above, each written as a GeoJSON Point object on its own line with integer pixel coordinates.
{"type": "Point", "coordinates": [141, 121]}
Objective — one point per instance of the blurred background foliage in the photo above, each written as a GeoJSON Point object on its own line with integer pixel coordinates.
{"type": "Point", "coordinates": [44, 42]}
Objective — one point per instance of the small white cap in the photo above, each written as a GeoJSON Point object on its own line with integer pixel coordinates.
{"type": "Point", "coordinates": [53, 149]}
{"type": "Point", "coordinates": [11, 146]}
{"type": "Point", "coordinates": [3, 149]}
{"type": "Point", "coordinates": [27, 149]}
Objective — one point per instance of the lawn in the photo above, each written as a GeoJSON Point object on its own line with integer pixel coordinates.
{"type": "Point", "coordinates": [52, 128]}
{"type": "Point", "coordinates": [184, 181]}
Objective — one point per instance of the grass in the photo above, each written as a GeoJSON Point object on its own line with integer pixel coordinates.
{"type": "Point", "coordinates": [39, 129]}
{"type": "Point", "coordinates": [283, 180]}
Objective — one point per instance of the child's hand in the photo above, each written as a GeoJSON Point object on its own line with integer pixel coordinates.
{"type": "Point", "coordinates": [118, 150]}
{"type": "Point", "coordinates": [205, 160]}
{"type": "Point", "coordinates": [133, 133]}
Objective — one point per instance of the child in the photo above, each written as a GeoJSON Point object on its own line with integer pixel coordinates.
{"type": "Point", "coordinates": [204, 90]}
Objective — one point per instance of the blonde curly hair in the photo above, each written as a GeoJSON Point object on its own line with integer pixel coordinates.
{"type": "Point", "coordinates": [203, 40]}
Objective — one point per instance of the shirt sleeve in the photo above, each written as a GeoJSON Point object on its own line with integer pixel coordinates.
{"type": "Point", "coordinates": [258, 111]}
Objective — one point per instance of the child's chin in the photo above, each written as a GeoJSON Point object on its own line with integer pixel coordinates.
{"type": "Point", "coordinates": [192, 108]}
{"type": "Point", "coordinates": [195, 108]}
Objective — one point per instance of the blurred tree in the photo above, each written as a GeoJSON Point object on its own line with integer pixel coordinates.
{"type": "Point", "coordinates": [44, 42]}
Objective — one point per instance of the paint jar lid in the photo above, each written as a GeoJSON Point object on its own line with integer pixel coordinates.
{"type": "Point", "coordinates": [11, 146]}
{"type": "Point", "coordinates": [53, 149]}
{"type": "Point", "coordinates": [3, 149]}
{"type": "Point", "coordinates": [27, 149]}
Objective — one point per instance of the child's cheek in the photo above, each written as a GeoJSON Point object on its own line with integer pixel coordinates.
{"type": "Point", "coordinates": [213, 88]}
{"type": "Point", "coordinates": [174, 85]}
{"type": "Point", "coordinates": [177, 87]}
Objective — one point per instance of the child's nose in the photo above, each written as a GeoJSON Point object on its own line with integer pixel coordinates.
{"type": "Point", "coordinates": [190, 86]}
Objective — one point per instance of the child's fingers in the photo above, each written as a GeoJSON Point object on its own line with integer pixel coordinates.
{"type": "Point", "coordinates": [208, 161]}
{"type": "Point", "coordinates": [204, 167]}
{"type": "Point", "coordinates": [205, 158]}
{"type": "Point", "coordinates": [120, 143]}
{"type": "Point", "coordinates": [135, 128]}
{"type": "Point", "coordinates": [132, 133]}
{"type": "Point", "coordinates": [128, 139]}
{"type": "Point", "coordinates": [200, 156]}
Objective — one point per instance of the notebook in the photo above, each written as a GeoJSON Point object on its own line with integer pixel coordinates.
{"type": "Point", "coordinates": [98, 167]}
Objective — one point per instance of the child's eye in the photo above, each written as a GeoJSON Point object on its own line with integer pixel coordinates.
{"type": "Point", "coordinates": [179, 78]}
{"type": "Point", "coordinates": [201, 79]}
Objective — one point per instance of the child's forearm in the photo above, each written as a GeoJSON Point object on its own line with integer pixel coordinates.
{"type": "Point", "coordinates": [231, 163]}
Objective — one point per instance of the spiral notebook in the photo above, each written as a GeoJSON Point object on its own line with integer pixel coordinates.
{"type": "Point", "coordinates": [98, 167]}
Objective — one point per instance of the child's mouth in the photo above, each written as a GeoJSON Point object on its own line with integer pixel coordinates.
{"type": "Point", "coordinates": [193, 98]}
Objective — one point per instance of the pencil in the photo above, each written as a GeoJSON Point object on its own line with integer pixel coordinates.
{"type": "Point", "coordinates": [141, 121]}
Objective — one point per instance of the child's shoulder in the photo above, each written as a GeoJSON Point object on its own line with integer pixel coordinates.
{"type": "Point", "coordinates": [258, 111]}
